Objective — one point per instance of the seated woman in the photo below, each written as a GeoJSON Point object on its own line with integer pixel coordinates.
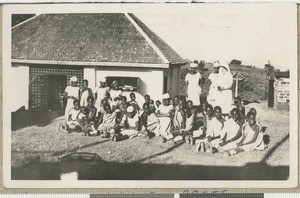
{"type": "Point", "coordinates": [72, 123]}
{"type": "Point", "coordinates": [232, 132]}
{"type": "Point", "coordinates": [252, 136]}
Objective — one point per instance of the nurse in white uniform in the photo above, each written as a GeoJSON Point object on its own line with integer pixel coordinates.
{"type": "Point", "coordinates": [192, 80]}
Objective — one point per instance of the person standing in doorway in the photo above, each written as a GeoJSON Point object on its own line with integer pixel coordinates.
{"type": "Point", "coordinates": [71, 93]}
{"type": "Point", "coordinates": [193, 81]}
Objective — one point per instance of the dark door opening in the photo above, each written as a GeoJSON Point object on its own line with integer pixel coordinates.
{"type": "Point", "coordinates": [56, 87]}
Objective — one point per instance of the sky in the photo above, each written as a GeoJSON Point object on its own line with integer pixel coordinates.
{"type": "Point", "coordinates": [252, 33]}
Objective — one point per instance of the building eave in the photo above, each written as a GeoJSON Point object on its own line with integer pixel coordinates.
{"type": "Point", "coordinates": [94, 64]}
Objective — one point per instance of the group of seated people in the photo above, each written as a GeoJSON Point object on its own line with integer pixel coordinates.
{"type": "Point", "coordinates": [173, 120]}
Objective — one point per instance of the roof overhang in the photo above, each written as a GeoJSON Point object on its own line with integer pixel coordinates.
{"type": "Point", "coordinates": [95, 64]}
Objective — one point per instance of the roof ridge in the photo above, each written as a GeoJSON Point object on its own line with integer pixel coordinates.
{"type": "Point", "coordinates": [148, 39]}
{"type": "Point", "coordinates": [163, 44]}
{"type": "Point", "coordinates": [19, 24]}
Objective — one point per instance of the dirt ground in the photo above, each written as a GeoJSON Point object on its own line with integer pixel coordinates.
{"type": "Point", "coordinates": [37, 147]}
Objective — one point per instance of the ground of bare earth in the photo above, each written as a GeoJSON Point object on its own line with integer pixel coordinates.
{"type": "Point", "coordinates": [36, 149]}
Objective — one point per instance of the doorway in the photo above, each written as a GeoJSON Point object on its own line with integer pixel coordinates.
{"type": "Point", "coordinates": [55, 90]}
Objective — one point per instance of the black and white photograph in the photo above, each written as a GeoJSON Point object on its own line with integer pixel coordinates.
{"type": "Point", "coordinates": [150, 95]}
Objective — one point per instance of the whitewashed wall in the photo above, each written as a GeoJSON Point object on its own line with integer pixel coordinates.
{"type": "Point", "coordinates": [19, 87]}
{"type": "Point", "coordinates": [152, 79]}
{"type": "Point", "coordinates": [90, 75]}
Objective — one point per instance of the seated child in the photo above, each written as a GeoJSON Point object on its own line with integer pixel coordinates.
{"type": "Point", "coordinates": [176, 101]}
{"type": "Point", "coordinates": [239, 106]}
{"type": "Point", "coordinates": [88, 123]}
{"type": "Point", "coordinates": [179, 117]}
{"type": "Point", "coordinates": [152, 106]}
{"type": "Point", "coordinates": [72, 123]}
{"type": "Point", "coordinates": [231, 132]}
{"type": "Point", "coordinates": [191, 106]}
{"type": "Point", "coordinates": [150, 122]}
{"type": "Point", "coordinates": [134, 103]}
{"type": "Point", "coordinates": [101, 109]}
{"type": "Point", "coordinates": [108, 121]}
{"type": "Point", "coordinates": [115, 103]}
{"type": "Point", "coordinates": [253, 110]}
{"type": "Point", "coordinates": [187, 131]}
{"type": "Point", "coordinates": [158, 104]}
{"type": "Point", "coordinates": [130, 123]}
{"type": "Point", "coordinates": [252, 137]}
{"type": "Point", "coordinates": [214, 126]}
{"type": "Point", "coordinates": [147, 98]}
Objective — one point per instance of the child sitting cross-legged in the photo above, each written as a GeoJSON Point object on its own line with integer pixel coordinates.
{"type": "Point", "coordinates": [214, 126]}
{"type": "Point", "coordinates": [72, 124]}
{"type": "Point", "coordinates": [231, 132]}
{"type": "Point", "coordinates": [88, 122]}
{"type": "Point", "coordinates": [107, 124]}
{"type": "Point", "coordinates": [130, 125]}
{"type": "Point", "coordinates": [252, 136]}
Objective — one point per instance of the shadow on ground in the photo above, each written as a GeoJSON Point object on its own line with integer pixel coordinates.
{"type": "Point", "coordinates": [98, 169]}
{"type": "Point", "coordinates": [24, 118]}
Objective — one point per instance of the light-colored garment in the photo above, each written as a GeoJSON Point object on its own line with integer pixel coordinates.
{"type": "Point", "coordinates": [165, 125]}
{"type": "Point", "coordinates": [213, 90]}
{"type": "Point", "coordinates": [102, 92]}
{"type": "Point", "coordinates": [214, 127]}
{"type": "Point", "coordinates": [193, 90]}
{"type": "Point", "coordinates": [115, 93]}
{"type": "Point", "coordinates": [189, 123]}
{"type": "Point", "coordinates": [231, 128]}
{"type": "Point", "coordinates": [109, 118]}
{"type": "Point", "coordinates": [153, 124]}
{"type": "Point", "coordinates": [131, 121]}
{"type": "Point", "coordinates": [178, 119]}
{"type": "Point", "coordinates": [224, 98]}
{"type": "Point", "coordinates": [83, 98]}
{"type": "Point", "coordinates": [249, 133]}
{"type": "Point", "coordinates": [71, 91]}
{"type": "Point", "coordinates": [74, 113]}
{"type": "Point", "coordinates": [165, 109]}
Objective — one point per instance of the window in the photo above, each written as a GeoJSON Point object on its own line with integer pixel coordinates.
{"type": "Point", "coordinates": [125, 83]}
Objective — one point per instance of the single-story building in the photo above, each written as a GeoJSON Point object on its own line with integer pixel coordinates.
{"type": "Point", "coordinates": [48, 49]}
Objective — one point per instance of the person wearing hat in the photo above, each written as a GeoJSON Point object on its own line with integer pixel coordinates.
{"type": "Point", "coordinates": [71, 93]}
{"type": "Point", "coordinates": [213, 89]}
{"type": "Point", "coordinates": [193, 80]}
{"type": "Point", "coordinates": [115, 92]}
{"type": "Point", "coordinates": [101, 92]}
{"type": "Point", "coordinates": [224, 85]}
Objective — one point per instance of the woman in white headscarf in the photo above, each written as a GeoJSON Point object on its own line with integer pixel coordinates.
{"type": "Point", "coordinates": [71, 93]}
{"type": "Point", "coordinates": [193, 80]}
{"type": "Point", "coordinates": [224, 85]}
